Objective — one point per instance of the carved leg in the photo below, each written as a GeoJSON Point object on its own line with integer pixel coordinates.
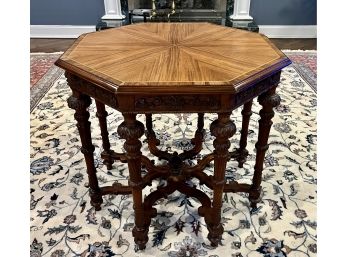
{"type": "Point", "coordinates": [268, 100]}
{"type": "Point", "coordinates": [102, 114]}
{"type": "Point", "coordinates": [80, 103]}
{"type": "Point", "coordinates": [242, 151]}
{"type": "Point", "coordinates": [197, 141]}
{"type": "Point", "coordinates": [222, 128]}
{"type": "Point", "coordinates": [153, 141]}
{"type": "Point", "coordinates": [132, 130]}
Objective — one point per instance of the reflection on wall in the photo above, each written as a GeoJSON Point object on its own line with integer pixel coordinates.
{"type": "Point", "coordinates": [218, 5]}
{"type": "Point", "coordinates": [186, 4]}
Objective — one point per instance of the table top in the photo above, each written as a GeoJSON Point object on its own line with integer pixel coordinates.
{"type": "Point", "coordinates": [173, 57]}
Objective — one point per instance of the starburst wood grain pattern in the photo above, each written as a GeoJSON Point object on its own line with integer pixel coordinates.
{"type": "Point", "coordinates": [158, 57]}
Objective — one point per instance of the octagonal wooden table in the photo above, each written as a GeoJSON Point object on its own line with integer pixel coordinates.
{"type": "Point", "coordinates": [167, 68]}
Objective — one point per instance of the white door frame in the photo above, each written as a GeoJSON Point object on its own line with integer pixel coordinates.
{"type": "Point", "coordinates": [113, 10]}
{"type": "Point", "coordinates": [241, 10]}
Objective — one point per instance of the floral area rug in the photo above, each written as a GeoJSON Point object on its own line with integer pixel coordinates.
{"type": "Point", "coordinates": [43, 73]}
{"type": "Point", "coordinates": [63, 223]}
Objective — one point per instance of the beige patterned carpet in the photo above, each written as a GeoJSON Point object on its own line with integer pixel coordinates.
{"type": "Point", "coordinates": [63, 223]}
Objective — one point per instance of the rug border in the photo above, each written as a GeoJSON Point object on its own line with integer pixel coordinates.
{"type": "Point", "coordinates": [41, 87]}
{"type": "Point", "coordinates": [39, 90]}
{"type": "Point", "coordinates": [314, 87]}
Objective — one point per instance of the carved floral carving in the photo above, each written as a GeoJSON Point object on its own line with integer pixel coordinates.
{"type": "Point", "coordinates": [253, 91]}
{"type": "Point", "coordinates": [87, 87]}
{"type": "Point", "coordinates": [126, 132]}
{"type": "Point", "coordinates": [272, 100]}
{"type": "Point", "coordinates": [177, 102]}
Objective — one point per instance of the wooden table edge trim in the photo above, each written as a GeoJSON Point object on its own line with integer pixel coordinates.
{"type": "Point", "coordinates": [70, 68]}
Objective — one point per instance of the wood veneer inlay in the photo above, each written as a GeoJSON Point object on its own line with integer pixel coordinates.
{"type": "Point", "coordinates": [172, 54]}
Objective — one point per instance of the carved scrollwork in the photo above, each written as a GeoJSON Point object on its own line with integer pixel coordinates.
{"type": "Point", "coordinates": [222, 128]}
{"type": "Point", "coordinates": [92, 90]}
{"type": "Point", "coordinates": [219, 129]}
{"type": "Point", "coordinates": [73, 80]}
{"type": "Point", "coordinates": [272, 100]}
{"type": "Point", "coordinates": [253, 91]}
{"type": "Point", "coordinates": [177, 102]}
{"type": "Point", "coordinates": [127, 132]}
{"type": "Point", "coordinates": [274, 79]}
{"type": "Point", "coordinates": [79, 104]}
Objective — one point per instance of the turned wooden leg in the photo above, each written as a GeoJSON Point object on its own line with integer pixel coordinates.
{"type": "Point", "coordinates": [132, 130]}
{"type": "Point", "coordinates": [80, 102]}
{"type": "Point", "coordinates": [268, 100]}
{"type": "Point", "coordinates": [242, 151]}
{"type": "Point", "coordinates": [106, 154]}
{"type": "Point", "coordinates": [222, 128]}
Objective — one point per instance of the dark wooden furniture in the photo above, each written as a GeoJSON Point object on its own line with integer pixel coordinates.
{"type": "Point", "coordinates": [166, 68]}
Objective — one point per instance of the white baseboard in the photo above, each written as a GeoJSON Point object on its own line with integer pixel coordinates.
{"type": "Point", "coordinates": [71, 31]}
{"type": "Point", "coordinates": [288, 31]}
{"type": "Point", "coordinates": [59, 31]}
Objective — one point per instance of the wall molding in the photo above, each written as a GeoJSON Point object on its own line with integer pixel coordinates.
{"type": "Point", "coordinates": [72, 31]}
{"type": "Point", "coordinates": [289, 31]}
